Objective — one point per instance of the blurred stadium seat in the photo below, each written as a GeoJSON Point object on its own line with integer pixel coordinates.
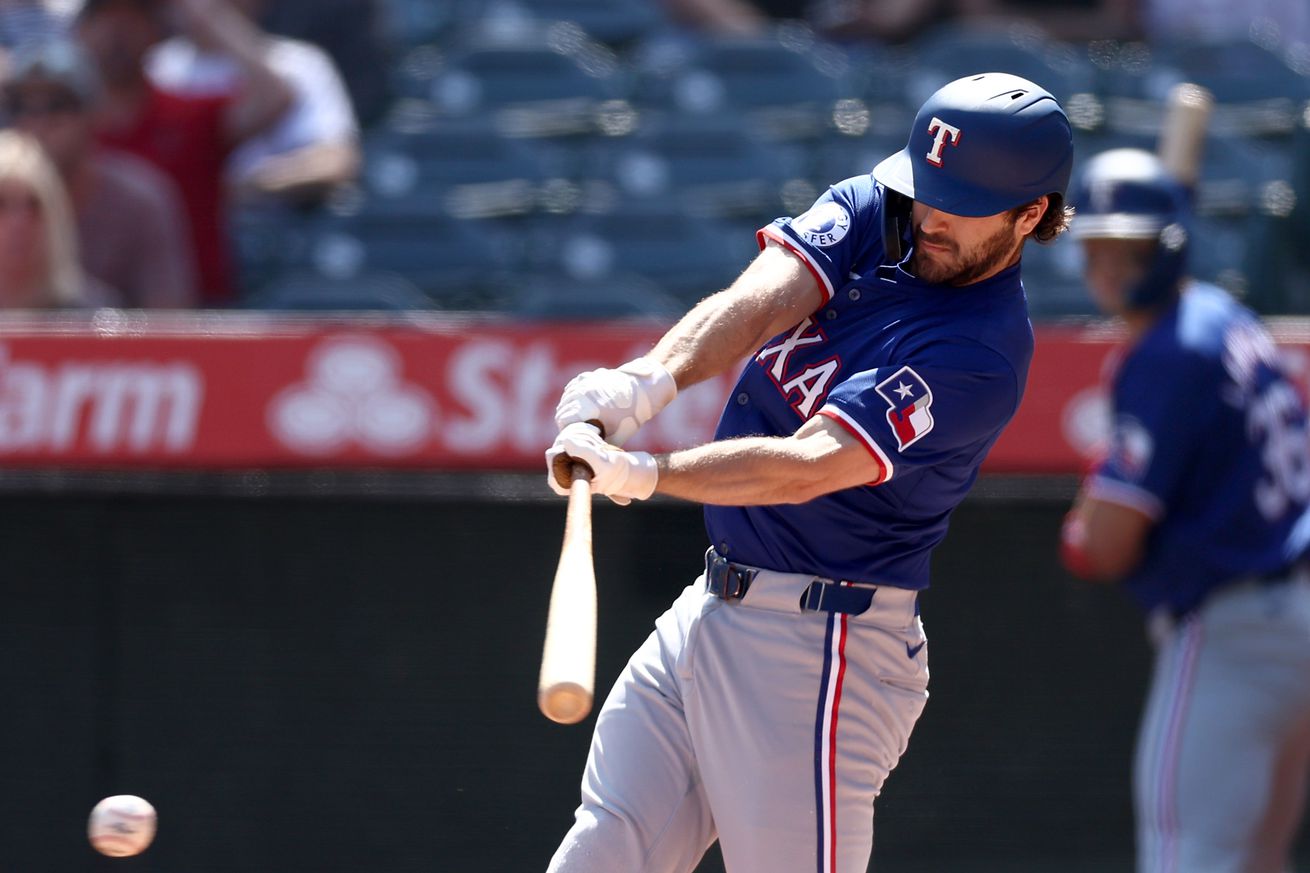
{"type": "Point", "coordinates": [704, 165]}
{"type": "Point", "coordinates": [413, 22]}
{"type": "Point", "coordinates": [688, 256]}
{"type": "Point", "coordinates": [573, 166]}
{"type": "Point", "coordinates": [620, 295]}
{"type": "Point", "coordinates": [1256, 92]}
{"type": "Point", "coordinates": [361, 292]}
{"type": "Point", "coordinates": [1053, 281]}
{"type": "Point", "coordinates": [463, 168]}
{"type": "Point", "coordinates": [532, 80]}
{"type": "Point", "coordinates": [614, 22]}
{"type": "Point", "coordinates": [784, 87]}
{"type": "Point", "coordinates": [457, 264]}
{"type": "Point", "coordinates": [947, 53]}
{"type": "Point", "coordinates": [837, 158]}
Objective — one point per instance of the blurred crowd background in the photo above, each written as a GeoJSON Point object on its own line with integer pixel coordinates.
{"type": "Point", "coordinates": [574, 158]}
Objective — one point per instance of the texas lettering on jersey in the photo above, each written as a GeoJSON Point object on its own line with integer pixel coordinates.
{"type": "Point", "coordinates": [908, 397]}
{"type": "Point", "coordinates": [805, 386]}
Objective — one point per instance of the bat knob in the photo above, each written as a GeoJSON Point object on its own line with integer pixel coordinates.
{"type": "Point", "coordinates": [565, 703]}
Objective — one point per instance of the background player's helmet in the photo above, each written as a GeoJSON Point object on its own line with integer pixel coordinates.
{"type": "Point", "coordinates": [1128, 194]}
{"type": "Point", "coordinates": [981, 145]}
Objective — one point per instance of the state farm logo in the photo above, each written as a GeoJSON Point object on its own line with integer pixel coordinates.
{"type": "Point", "coordinates": [354, 394]}
{"type": "Point", "coordinates": [98, 407]}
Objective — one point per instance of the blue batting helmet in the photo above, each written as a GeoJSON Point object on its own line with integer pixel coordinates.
{"type": "Point", "coordinates": [1128, 194]}
{"type": "Point", "coordinates": [981, 145]}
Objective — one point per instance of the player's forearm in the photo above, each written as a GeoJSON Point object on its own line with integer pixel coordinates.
{"type": "Point", "coordinates": [753, 471]}
{"type": "Point", "coordinates": [774, 293]}
{"type": "Point", "coordinates": [758, 471]}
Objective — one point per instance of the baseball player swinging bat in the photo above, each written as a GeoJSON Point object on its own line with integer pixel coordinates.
{"type": "Point", "coordinates": [1182, 137]}
{"type": "Point", "coordinates": [568, 659]}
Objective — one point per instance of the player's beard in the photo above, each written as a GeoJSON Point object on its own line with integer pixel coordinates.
{"type": "Point", "coordinates": [962, 269]}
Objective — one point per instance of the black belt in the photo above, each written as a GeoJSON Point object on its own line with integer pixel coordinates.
{"type": "Point", "coordinates": [730, 581]}
{"type": "Point", "coordinates": [1269, 578]}
{"type": "Point", "coordinates": [1285, 573]}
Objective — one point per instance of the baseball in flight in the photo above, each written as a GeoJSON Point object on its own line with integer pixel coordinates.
{"type": "Point", "coordinates": [121, 825]}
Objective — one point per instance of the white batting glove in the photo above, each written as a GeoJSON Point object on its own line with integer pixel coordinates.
{"type": "Point", "coordinates": [621, 400]}
{"type": "Point", "coordinates": [619, 475]}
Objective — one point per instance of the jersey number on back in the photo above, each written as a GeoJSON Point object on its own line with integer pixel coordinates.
{"type": "Point", "coordinates": [1275, 416]}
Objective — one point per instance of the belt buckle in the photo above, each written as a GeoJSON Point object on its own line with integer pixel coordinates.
{"type": "Point", "coordinates": [723, 580]}
{"type": "Point", "coordinates": [827, 595]}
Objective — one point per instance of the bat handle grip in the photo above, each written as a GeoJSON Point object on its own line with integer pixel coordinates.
{"type": "Point", "coordinates": [581, 473]}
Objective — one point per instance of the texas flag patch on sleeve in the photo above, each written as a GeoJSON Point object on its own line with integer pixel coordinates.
{"type": "Point", "coordinates": [909, 401]}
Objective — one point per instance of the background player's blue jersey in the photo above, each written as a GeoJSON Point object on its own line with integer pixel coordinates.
{"type": "Point", "coordinates": [924, 376]}
{"type": "Point", "coordinates": [1210, 441]}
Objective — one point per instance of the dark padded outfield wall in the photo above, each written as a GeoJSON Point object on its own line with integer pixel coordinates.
{"type": "Point", "coordinates": [347, 684]}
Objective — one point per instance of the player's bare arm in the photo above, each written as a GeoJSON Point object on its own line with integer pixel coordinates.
{"type": "Point", "coordinates": [773, 294]}
{"type": "Point", "coordinates": [821, 457]}
{"type": "Point", "coordinates": [1104, 541]}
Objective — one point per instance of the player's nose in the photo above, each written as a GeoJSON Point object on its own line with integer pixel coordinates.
{"type": "Point", "coordinates": [935, 221]}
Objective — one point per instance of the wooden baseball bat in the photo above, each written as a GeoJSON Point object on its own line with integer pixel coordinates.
{"type": "Point", "coordinates": [1182, 136]}
{"type": "Point", "coordinates": [568, 659]}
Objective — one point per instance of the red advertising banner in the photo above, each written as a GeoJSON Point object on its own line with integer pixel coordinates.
{"type": "Point", "coordinates": [236, 391]}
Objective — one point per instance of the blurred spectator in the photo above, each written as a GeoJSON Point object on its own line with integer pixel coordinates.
{"type": "Point", "coordinates": [189, 138]}
{"type": "Point", "coordinates": [886, 20]}
{"type": "Point", "coordinates": [38, 243]}
{"type": "Point", "coordinates": [310, 150]}
{"type": "Point", "coordinates": [1075, 20]}
{"type": "Point", "coordinates": [1284, 23]}
{"type": "Point", "coordinates": [353, 33]}
{"type": "Point", "coordinates": [724, 17]}
{"type": "Point", "coordinates": [130, 221]}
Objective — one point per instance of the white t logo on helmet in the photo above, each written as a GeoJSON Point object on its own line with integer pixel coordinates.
{"type": "Point", "coordinates": [942, 133]}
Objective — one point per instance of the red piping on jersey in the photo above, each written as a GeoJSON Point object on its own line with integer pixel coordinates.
{"type": "Point", "coordinates": [767, 233]}
{"type": "Point", "coordinates": [882, 468]}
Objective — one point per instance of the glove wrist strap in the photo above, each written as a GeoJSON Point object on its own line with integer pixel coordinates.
{"type": "Point", "coordinates": [655, 380]}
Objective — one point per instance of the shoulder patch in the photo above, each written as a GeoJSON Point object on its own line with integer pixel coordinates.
{"type": "Point", "coordinates": [824, 225]}
{"type": "Point", "coordinates": [1131, 448]}
{"type": "Point", "coordinates": [909, 401]}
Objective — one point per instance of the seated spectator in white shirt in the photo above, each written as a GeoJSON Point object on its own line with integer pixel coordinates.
{"type": "Point", "coordinates": [131, 225]}
{"type": "Point", "coordinates": [314, 146]}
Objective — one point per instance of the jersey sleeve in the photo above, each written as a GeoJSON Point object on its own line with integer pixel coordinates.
{"type": "Point", "coordinates": [948, 400]}
{"type": "Point", "coordinates": [1156, 419]}
{"type": "Point", "coordinates": [832, 234]}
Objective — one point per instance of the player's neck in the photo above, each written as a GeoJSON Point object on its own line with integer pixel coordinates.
{"type": "Point", "coordinates": [1138, 321]}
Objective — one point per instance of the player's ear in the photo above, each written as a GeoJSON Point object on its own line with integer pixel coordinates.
{"type": "Point", "coordinates": [1029, 215]}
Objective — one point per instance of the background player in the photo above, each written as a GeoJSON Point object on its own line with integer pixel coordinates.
{"type": "Point", "coordinates": [780, 689]}
{"type": "Point", "coordinates": [1199, 507]}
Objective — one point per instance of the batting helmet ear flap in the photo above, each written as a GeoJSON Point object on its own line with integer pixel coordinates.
{"type": "Point", "coordinates": [895, 224]}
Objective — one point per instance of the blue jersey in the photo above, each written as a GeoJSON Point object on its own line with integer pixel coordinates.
{"type": "Point", "coordinates": [1210, 441]}
{"type": "Point", "coordinates": [924, 376]}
